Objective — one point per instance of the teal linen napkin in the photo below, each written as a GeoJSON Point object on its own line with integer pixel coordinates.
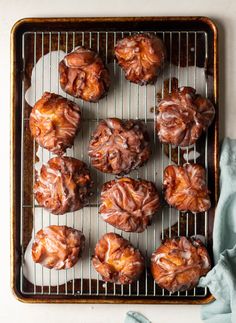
{"type": "Point", "coordinates": [135, 317]}
{"type": "Point", "coordinates": [221, 280]}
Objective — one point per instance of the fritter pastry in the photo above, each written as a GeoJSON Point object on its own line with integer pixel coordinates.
{"type": "Point", "coordinates": [129, 204]}
{"type": "Point", "coordinates": [116, 260]}
{"type": "Point", "coordinates": [178, 263]}
{"type": "Point", "coordinates": [63, 185]}
{"type": "Point", "coordinates": [182, 117]}
{"type": "Point", "coordinates": [54, 122]}
{"type": "Point", "coordinates": [83, 75]}
{"type": "Point", "coordinates": [141, 56]}
{"type": "Point", "coordinates": [185, 188]}
{"type": "Point", "coordinates": [57, 247]}
{"type": "Point", "coordinates": [119, 146]}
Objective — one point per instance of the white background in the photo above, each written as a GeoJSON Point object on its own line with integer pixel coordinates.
{"type": "Point", "coordinates": [224, 13]}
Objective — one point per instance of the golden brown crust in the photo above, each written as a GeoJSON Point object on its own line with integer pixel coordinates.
{"type": "Point", "coordinates": [57, 247]}
{"type": "Point", "coordinates": [54, 122]}
{"type": "Point", "coordinates": [83, 75]}
{"type": "Point", "coordinates": [141, 57]}
{"type": "Point", "coordinates": [119, 146]}
{"type": "Point", "coordinates": [182, 117]}
{"type": "Point", "coordinates": [63, 185]}
{"type": "Point", "coordinates": [178, 264]}
{"type": "Point", "coordinates": [129, 204]}
{"type": "Point", "coordinates": [116, 260]}
{"type": "Point", "coordinates": [185, 188]}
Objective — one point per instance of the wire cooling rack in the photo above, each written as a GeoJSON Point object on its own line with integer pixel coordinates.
{"type": "Point", "coordinates": [41, 53]}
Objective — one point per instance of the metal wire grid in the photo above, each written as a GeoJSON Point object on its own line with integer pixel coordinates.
{"type": "Point", "coordinates": [151, 232]}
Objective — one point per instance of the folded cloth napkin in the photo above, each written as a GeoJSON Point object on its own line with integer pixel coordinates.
{"type": "Point", "coordinates": [135, 317]}
{"type": "Point", "coordinates": [221, 280]}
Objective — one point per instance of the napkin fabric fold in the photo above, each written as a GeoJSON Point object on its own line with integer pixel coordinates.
{"type": "Point", "coordinates": [221, 280]}
{"type": "Point", "coordinates": [135, 317]}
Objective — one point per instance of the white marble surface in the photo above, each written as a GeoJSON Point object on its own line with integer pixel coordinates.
{"type": "Point", "coordinates": [10, 11]}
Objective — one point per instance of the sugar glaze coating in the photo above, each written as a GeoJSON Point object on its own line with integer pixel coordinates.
{"type": "Point", "coordinates": [57, 247]}
{"type": "Point", "coordinates": [129, 204]}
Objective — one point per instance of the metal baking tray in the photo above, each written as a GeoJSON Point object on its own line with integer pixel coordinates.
{"type": "Point", "coordinates": [36, 46]}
